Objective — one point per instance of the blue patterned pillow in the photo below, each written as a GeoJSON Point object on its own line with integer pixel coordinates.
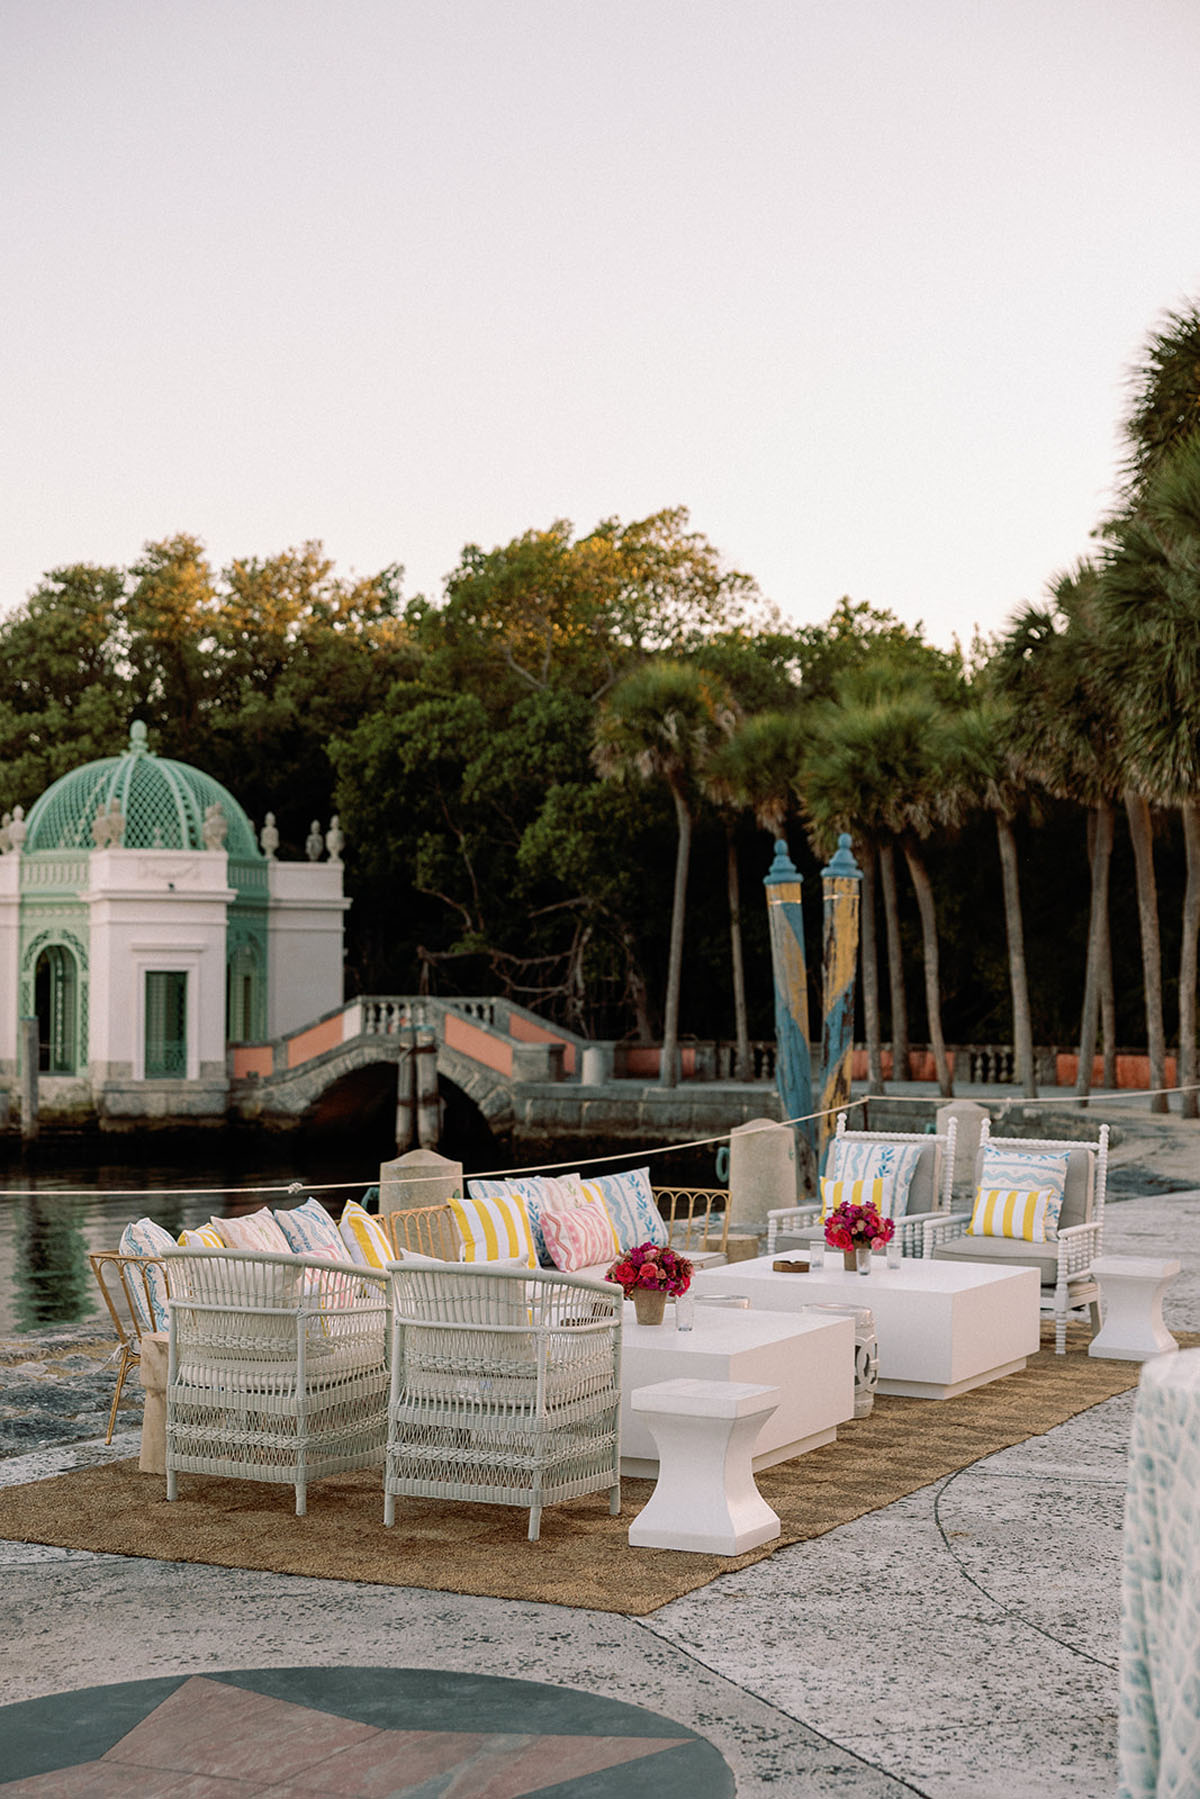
{"type": "Point", "coordinates": [1001, 1167]}
{"type": "Point", "coordinates": [889, 1162]}
{"type": "Point", "coordinates": [630, 1201]}
{"type": "Point", "coordinates": [145, 1238]}
{"type": "Point", "coordinates": [309, 1227]}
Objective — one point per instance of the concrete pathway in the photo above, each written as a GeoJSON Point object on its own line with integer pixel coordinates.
{"type": "Point", "coordinates": [961, 1641]}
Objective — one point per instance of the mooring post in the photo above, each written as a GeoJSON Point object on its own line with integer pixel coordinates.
{"type": "Point", "coordinates": [785, 916]}
{"type": "Point", "coordinates": [841, 881]}
{"type": "Point", "coordinates": [29, 1079]}
{"type": "Point", "coordinates": [429, 1105]}
{"type": "Point", "coordinates": [406, 1091]}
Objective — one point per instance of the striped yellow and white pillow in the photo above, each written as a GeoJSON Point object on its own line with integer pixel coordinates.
{"type": "Point", "coordinates": [494, 1229]}
{"type": "Point", "coordinates": [205, 1236]}
{"type": "Point", "coordinates": [365, 1239]}
{"type": "Point", "coordinates": [877, 1193]}
{"type": "Point", "coordinates": [1029, 1214]}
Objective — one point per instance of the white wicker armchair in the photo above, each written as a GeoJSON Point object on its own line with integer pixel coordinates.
{"type": "Point", "coordinates": [933, 1182]}
{"type": "Point", "coordinates": [1065, 1264]}
{"type": "Point", "coordinates": [277, 1368]}
{"type": "Point", "coordinates": [505, 1390]}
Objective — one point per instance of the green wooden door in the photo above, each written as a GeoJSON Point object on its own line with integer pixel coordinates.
{"type": "Point", "coordinates": [166, 1024]}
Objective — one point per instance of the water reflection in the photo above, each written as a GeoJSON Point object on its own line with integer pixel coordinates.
{"type": "Point", "coordinates": [52, 1277]}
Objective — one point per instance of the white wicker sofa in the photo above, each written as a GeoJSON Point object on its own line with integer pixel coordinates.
{"type": "Point", "coordinates": [277, 1367]}
{"type": "Point", "coordinates": [1065, 1264]}
{"type": "Point", "coordinates": [928, 1195]}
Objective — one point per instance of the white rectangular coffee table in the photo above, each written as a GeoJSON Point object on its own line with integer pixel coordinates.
{"type": "Point", "coordinates": [943, 1327]}
{"type": "Point", "coordinates": [810, 1360]}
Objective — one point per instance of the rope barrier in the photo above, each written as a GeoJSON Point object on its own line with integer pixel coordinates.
{"type": "Point", "coordinates": [574, 1162]}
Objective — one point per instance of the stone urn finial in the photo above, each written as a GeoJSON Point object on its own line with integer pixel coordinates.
{"type": "Point", "coordinates": [116, 823]}
{"type": "Point", "coordinates": [314, 843]}
{"type": "Point", "coordinates": [17, 829]}
{"type": "Point", "coordinates": [5, 839]}
{"type": "Point", "coordinates": [216, 826]}
{"type": "Point", "coordinates": [100, 832]}
{"type": "Point", "coordinates": [335, 843]}
{"type": "Point", "coordinates": [268, 837]}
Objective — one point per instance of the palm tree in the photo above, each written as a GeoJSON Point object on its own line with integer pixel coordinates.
{"type": "Point", "coordinates": [750, 770]}
{"type": "Point", "coordinates": [878, 762]}
{"type": "Point", "coordinates": [1062, 735]}
{"type": "Point", "coordinates": [1164, 396]}
{"type": "Point", "coordinates": [1149, 606]}
{"type": "Point", "coordinates": [659, 724]}
{"type": "Point", "coordinates": [985, 775]}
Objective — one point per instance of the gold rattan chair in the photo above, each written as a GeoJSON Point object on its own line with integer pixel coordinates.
{"type": "Point", "coordinates": [124, 1282]}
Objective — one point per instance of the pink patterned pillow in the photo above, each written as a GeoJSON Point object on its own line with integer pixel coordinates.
{"type": "Point", "coordinates": [255, 1230]}
{"type": "Point", "coordinates": [578, 1238]}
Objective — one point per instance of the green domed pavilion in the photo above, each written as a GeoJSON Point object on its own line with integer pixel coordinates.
{"type": "Point", "coordinates": [146, 929]}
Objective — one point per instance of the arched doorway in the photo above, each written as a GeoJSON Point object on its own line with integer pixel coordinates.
{"type": "Point", "coordinates": [56, 1002]}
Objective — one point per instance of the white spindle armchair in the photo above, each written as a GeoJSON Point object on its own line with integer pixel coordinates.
{"type": "Point", "coordinates": [928, 1194]}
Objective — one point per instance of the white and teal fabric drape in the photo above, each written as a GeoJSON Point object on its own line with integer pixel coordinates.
{"type": "Point", "coordinates": [1159, 1730]}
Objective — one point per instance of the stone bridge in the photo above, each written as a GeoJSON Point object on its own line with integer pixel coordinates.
{"type": "Point", "coordinates": [529, 1081]}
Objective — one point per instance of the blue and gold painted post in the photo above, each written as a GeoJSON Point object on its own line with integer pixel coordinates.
{"type": "Point", "coordinates": [785, 915]}
{"type": "Point", "coordinates": [841, 881]}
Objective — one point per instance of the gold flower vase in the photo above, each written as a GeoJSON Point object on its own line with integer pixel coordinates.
{"type": "Point", "coordinates": [650, 1304]}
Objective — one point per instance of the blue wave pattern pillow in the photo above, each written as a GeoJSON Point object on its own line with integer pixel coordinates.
{"type": "Point", "coordinates": [1023, 1168]}
{"type": "Point", "coordinates": [309, 1228]}
{"type": "Point", "coordinates": [145, 1238]}
{"type": "Point", "coordinates": [893, 1163]}
{"type": "Point", "coordinates": [630, 1201]}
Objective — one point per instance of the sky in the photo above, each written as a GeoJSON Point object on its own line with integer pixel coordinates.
{"type": "Point", "coordinates": [858, 282]}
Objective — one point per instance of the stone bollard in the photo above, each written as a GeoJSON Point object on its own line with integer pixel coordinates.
{"type": "Point", "coordinates": [762, 1172]}
{"type": "Point", "coordinates": [152, 1371]}
{"type": "Point", "coordinates": [420, 1178]}
{"type": "Point", "coordinates": [966, 1149]}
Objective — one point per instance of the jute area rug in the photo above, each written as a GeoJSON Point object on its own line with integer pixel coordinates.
{"type": "Point", "coordinates": [583, 1557]}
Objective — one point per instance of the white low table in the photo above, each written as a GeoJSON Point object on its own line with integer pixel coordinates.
{"type": "Point", "coordinates": [1131, 1294]}
{"type": "Point", "coordinates": [810, 1360]}
{"type": "Point", "coordinates": [943, 1327]}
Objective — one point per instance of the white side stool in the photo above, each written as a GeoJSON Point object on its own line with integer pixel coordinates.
{"type": "Point", "coordinates": [1131, 1289]}
{"type": "Point", "coordinates": [706, 1500]}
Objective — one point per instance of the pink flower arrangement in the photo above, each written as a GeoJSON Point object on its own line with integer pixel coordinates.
{"type": "Point", "coordinates": [853, 1227]}
{"type": "Point", "coordinates": [651, 1268]}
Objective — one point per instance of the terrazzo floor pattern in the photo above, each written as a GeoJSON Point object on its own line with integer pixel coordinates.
{"type": "Point", "coordinates": [960, 1641]}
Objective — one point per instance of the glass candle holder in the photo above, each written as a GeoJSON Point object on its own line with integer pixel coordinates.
{"type": "Point", "coordinates": [816, 1253]}
{"type": "Point", "coordinates": [685, 1312]}
{"type": "Point", "coordinates": [895, 1251]}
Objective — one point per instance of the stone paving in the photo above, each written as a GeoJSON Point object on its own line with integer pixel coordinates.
{"type": "Point", "coordinates": [961, 1641]}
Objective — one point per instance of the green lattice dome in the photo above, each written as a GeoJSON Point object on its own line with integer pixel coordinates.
{"type": "Point", "coordinates": [163, 805]}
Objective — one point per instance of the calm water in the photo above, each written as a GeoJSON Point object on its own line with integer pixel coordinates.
{"type": "Point", "coordinates": [47, 1233]}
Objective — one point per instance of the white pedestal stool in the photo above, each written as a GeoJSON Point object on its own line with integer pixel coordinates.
{"type": "Point", "coordinates": [706, 1500]}
{"type": "Point", "coordinates": [1131, 1289]}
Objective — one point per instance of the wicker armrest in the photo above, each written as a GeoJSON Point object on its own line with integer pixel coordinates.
{"type": "Point", "coordinates": [790, 1218]}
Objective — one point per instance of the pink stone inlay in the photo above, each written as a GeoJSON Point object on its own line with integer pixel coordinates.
{"type": "Point", "coordinates": [206, 1727]}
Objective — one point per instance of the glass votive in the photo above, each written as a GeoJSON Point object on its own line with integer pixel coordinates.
{"type": "Point", "coordinates": [895, 1251]}
{"type": "Point", "coordinates": [685, 1312]}
{"type": "Point", "coordinates": [816, 1254]}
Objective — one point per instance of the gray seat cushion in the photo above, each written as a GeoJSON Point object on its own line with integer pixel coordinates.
{"type": "Point", "coordinates": [1004, 1252]}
